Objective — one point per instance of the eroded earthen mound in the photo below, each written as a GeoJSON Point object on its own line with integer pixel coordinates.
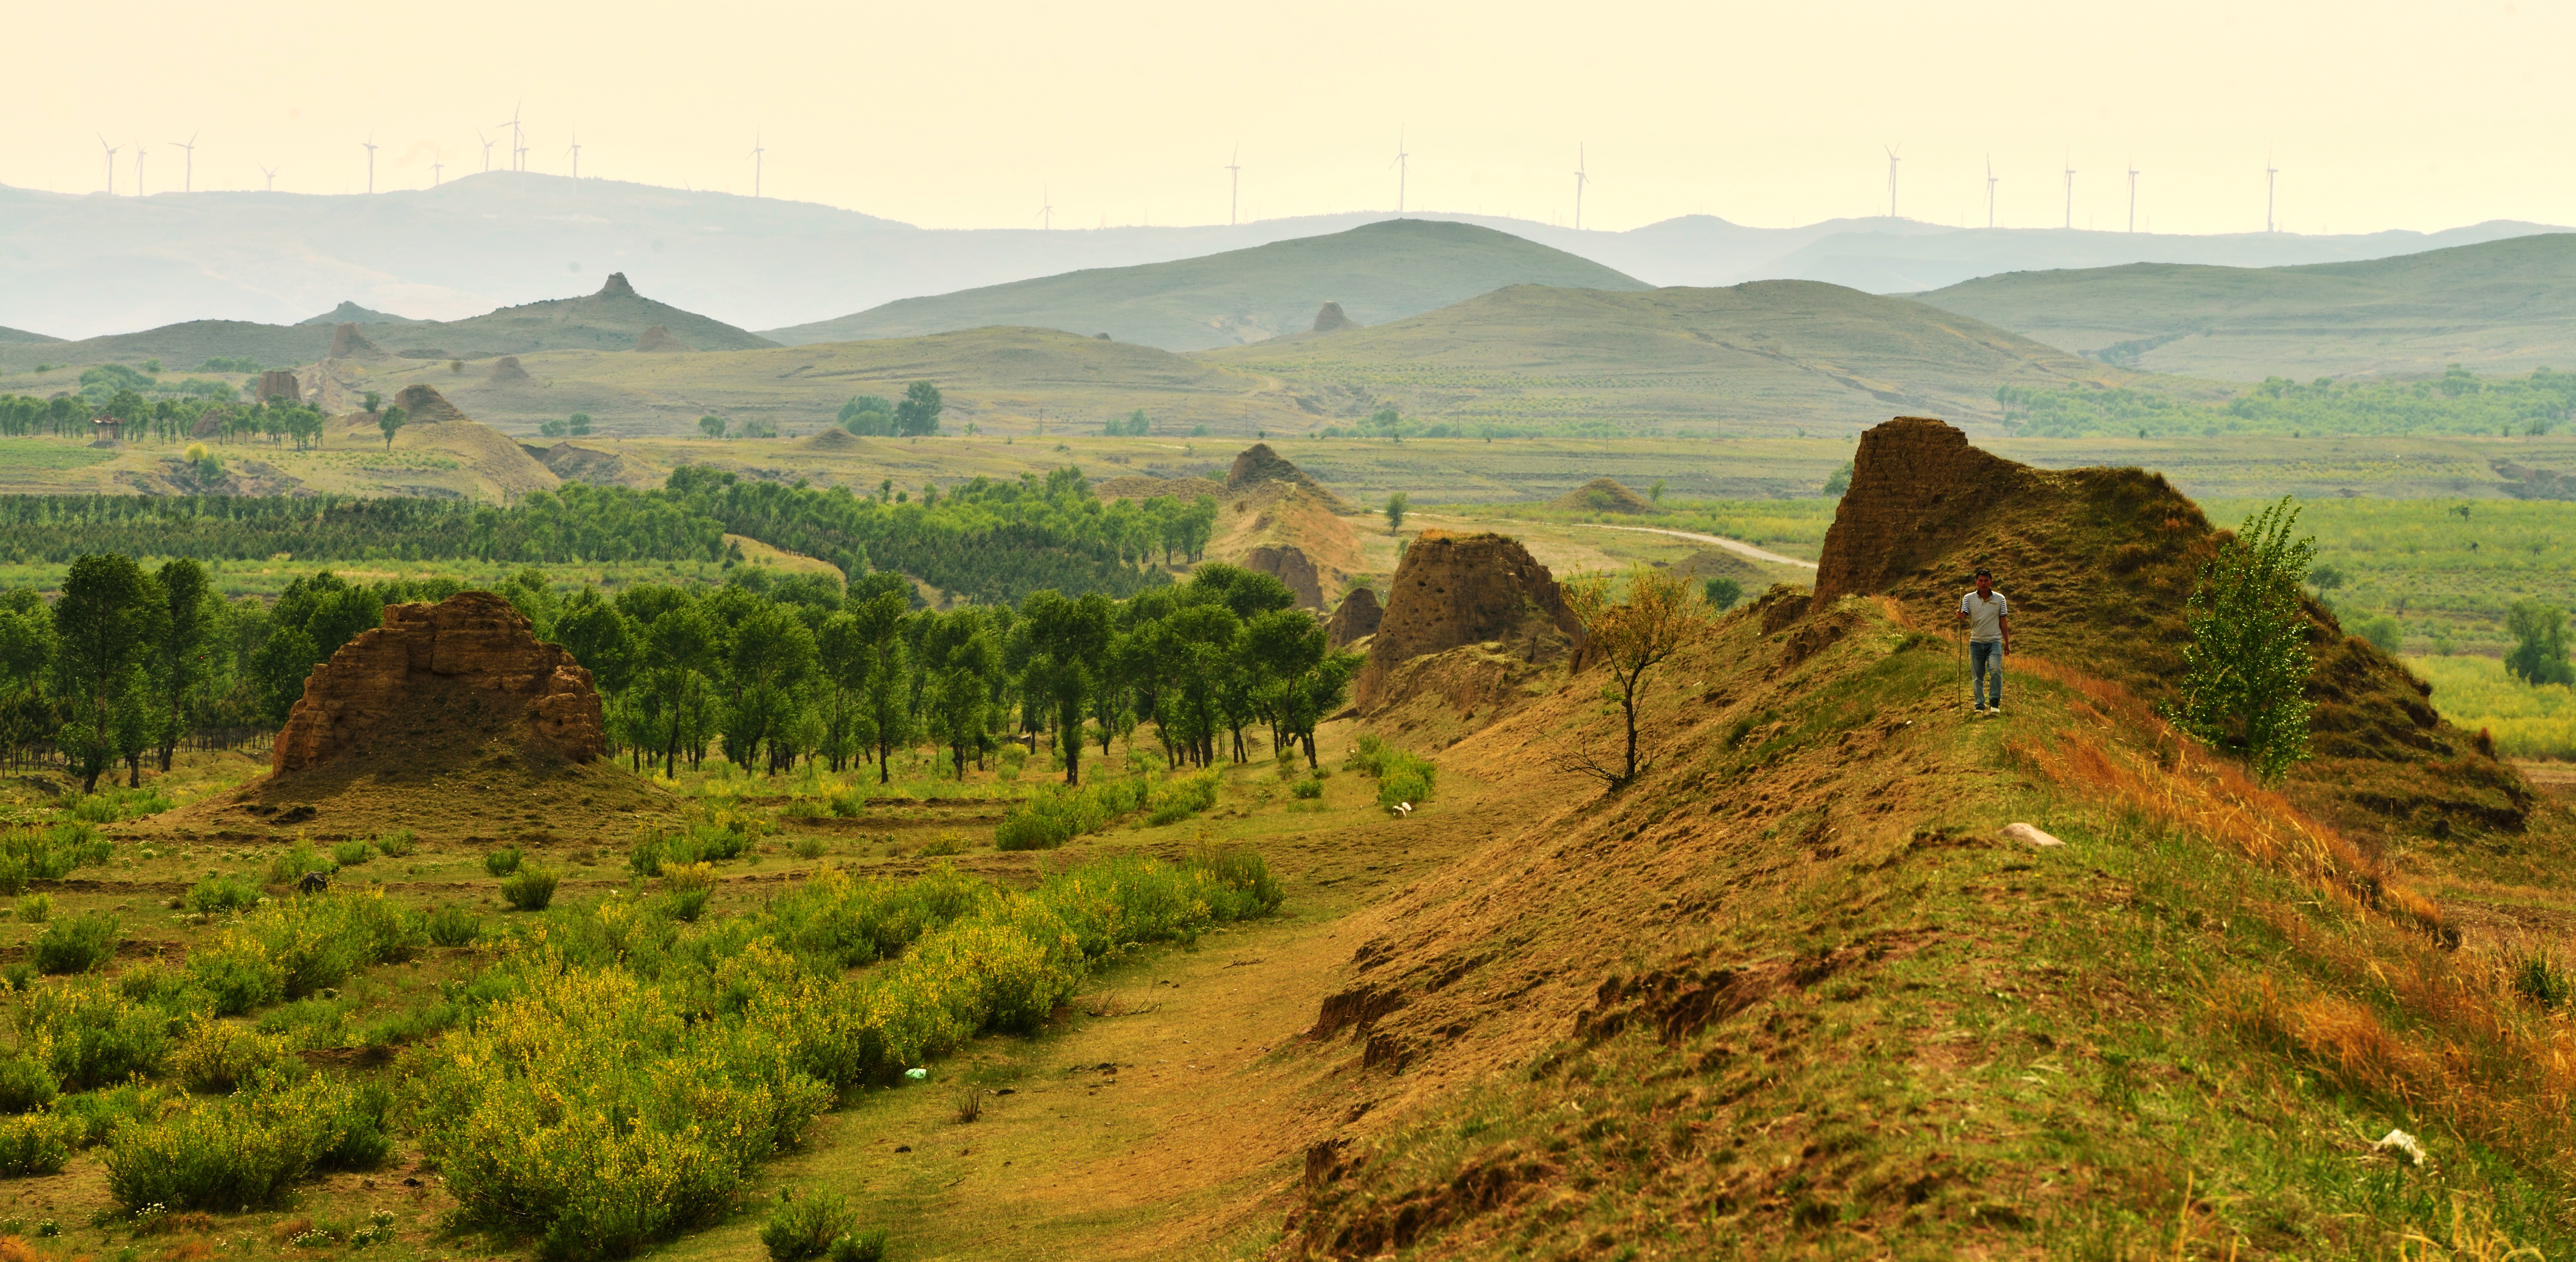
{"type": "Point", "coordinates": [278, 383]}
{"type": "Point", "coordinates": [1602, 495]}
{"type": "Point", "coordinates": [1331, 318]}
{"type": "Point", "coordinates": [473, 648]}
{"type": "Point", "coordinates": [833, 438]}
{"type": "Point", "coordinates": [506, 371]}
{"type": "Point", "coordinates": [1288, 563]}
{"type": "Point", "coordinates": [1355, 619]}
{"type": "Point", "coordinates": [348, 343]}
{"type": "Point", "coordinates": [1452, 590]}
{"type": "Point", "coordinates": [2098, 564]}
{"type": "Point", "coordinates": [616, 287]}
{"type": "Point", "coordinates": [1259, 464]}
{"type": "Point", "coordinates": [657, 338]}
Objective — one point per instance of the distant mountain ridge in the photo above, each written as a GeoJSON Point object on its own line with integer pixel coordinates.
{"type": "Point", "coordinates": [613, 319]}
{"type": "Point", "coordinates": [2499, 306]}
{"type": "Point", "coordinates": [1376, 272]}
{"type": "Point", "coordinates": [351, 313]}
{"type": "Point", "coordinates": [87, 265]}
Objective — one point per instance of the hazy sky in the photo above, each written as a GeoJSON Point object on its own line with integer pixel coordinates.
{"type": "Point", "coordinates": [960, 114]}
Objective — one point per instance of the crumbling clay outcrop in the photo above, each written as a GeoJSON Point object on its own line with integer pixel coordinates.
{"type": "Point", "coordinates": [1288, 563]}
{"type": "Point", "coordinates": [278, 383]}
{"type": "Point", "coordinates": [1917, 490]}
{"type": "Point", "coordinates": [348, 343]}
{"type": "Point", "coordinates": [1331, 319]}
{"type": "Point", "coordinates": [1466, 589]}
{"type": "Point", "coordinates": [658, 338]}
{"type": "Point", "coordinates": [475, 644]}
{"type": "Point", "coordinates": [1259, 464]}
{"type": "Point", "coordinates": [1603, 495]}
{"type": "Point", "coordinates": [1355, 619]}
{"type": "Point", "coordinates": [506, 371]}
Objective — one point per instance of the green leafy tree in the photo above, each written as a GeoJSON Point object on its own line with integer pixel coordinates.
{"type": "Point", "coordinates": [182, 662]}
{"type": "Point", "coordinates": [868, 416]}
{"type": "Point", "coordinates": [1396, 506]}
{"type": "Point", "coordinates": [1838, 481]}
{"type": "Point", "coordinates": [885, 709]}
{"type": "Point", "coordinates": [107, 625]}
{"type": "Point", "coordinates": [578, 424]}
{"type": "Point", "coordinates": [1067, 644]}
{"type": "Point", "coordinates": [2539, 654]}
{"type": "Point", "coordinates": [2244, 687]}
{"type": "Point", "coordinates": [390, 421]}
{"type": "Point", "coordinates": [1722, 593]}
{"type": "Point", "coordinates": [712, 426]}
{"type": "Point", "coordinates": [1631, 637]}
{"type": "Point", "coordinates": [918, 413]}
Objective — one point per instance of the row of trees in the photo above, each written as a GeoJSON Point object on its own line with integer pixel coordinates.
{"type": "Point", "coordinates": [913, 416]}
{"type": "Point", "coordinates": [992, 541]}
{"type": "Point", "coordinates": [2458, 402]}
{"type": "Point", "coordinates": [763, 672]}
{"type": "Point", "coordinates": [166, 420]}
{"type": "Point", "coordinates": [771, 672]}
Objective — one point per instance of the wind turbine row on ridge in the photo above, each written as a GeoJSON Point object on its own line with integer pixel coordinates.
{"type": "Point", "coordinates": [1581, 178]}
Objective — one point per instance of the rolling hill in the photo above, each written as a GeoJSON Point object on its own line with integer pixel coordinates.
{"type": "Point", "coordinates": [609, 320]}
{"type": "Point", "coordinates": [351, 313]}
{"type": "Point", "coordinates": [1759, 357]}
{"type": "Point", "coordinates": [1377, 272]}
{"type": "Point", "coordinates": [2501, 306]}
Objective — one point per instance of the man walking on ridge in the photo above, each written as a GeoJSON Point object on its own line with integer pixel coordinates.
{"type": "Point", "coordinates": [1989, 621]}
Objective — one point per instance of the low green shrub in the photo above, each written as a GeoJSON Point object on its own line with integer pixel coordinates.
{"type": "Point", "coordinates": [25, 1083]}
{"type": "Point", "coordinates": [76, 945]}
{"type": "Point", "coordinates": [290, 867]}
{"type": "Point", "coordinates": [397, 845]}
{"type": "Point", "coordinates": [221, 1057]}
{"type": "Point", "coordinates": [725, 836]}
{"type": "Point", "coordinates": [1058, 814]}
{"type": "Point", "coordinates": [686, 905]}
{"type": "Point", "coordinates": [217, 895]}
{"type": "Point", "coordinates": [454, 927]}
{"type": "Point", "coordinates": [1177, 800]}
{"type": "Point", "coordinates": [293, 947]}
{"type": "Point", "coordinates": [90, 1034]}
{"type": "Point", "coordinates": [248, 1149]}
{"type": "Point", "coordinates": [36, 1143]}
{"type": "Point", "coordinates": [1401, 777]}
{"type": "Point", "coordinates": [805, 1226]}
{"type": "Point", "coordinates": [1308, 788]}
{"type": "Point", "coordinates": [36, 909]}
{"type": "Point", "coordinates": [349, 854]}
{"type": "Point", "coordinates": [100, 1112]}
{"type": "Point", "coordinates": [502, 862]}
{"type": "Point", "coordinates": [859, 1246]}
{"type": "Point", "coordinates": [530, 889]}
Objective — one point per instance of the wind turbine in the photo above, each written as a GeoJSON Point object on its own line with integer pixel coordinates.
{"type": "Point", "coordinates": [576, 153]}
{"type": "Point", "coordinates": [434, 169]}
{"type": "Point", "coordinates": [1403, 168]}
{"type": "Point", "coordinates": [1234, 201]}
{"type": "Point", "coordinates": [2133, 199]}
{"type": "Point", "coordinates": [1580, 179]}
{"type": "Point", "coordinates": [111, 164]}
{"type": "Point", "coordinates": [756, 151]}
{"type": "Point", "coordinates": [188, 182]}
{"type": "Point", "coordinates": [139, 151]}
{"type": "Point", "coordinates": [370, 143]}
{"type": "Point", "coordinates": [1990, 190]}
{"type": "Point", "coordinates": [2070, 197]}
{"type": "Point", "coordinates": [1046, 210]}
{"type": "Point", "coordinates": [518, 151]}
{"type": "Point", "coordinates": [487, 152]}
{"type": "Point", "coordinates": [271, 173]}
{"type": "Point", "coordinates": [2270, 192]}
{"type": "Point", "coordinates": [1891, 182]}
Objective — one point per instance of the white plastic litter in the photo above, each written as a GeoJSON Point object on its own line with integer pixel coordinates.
{"type": "Point", "coordinates": [2024, 832]}
{"type": "Point", "coordinates": [917, 1075]}
{"type": "Point", "coordinates": [2402, 1146]}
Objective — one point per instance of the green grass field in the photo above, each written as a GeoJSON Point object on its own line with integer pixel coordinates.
{"type": "Point", "coordinates": [2527, 721]}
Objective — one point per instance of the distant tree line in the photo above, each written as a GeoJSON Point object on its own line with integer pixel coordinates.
{"type": "Point", "coordinates": [990, 541]}
{"type": "Point", "coordinates": [915, 415]}
{"type": "Point", "coordinates": [2457, 402]}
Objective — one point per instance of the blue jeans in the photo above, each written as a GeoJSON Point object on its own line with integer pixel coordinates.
{"type": "Point", "coordinates": [1985, 655]}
